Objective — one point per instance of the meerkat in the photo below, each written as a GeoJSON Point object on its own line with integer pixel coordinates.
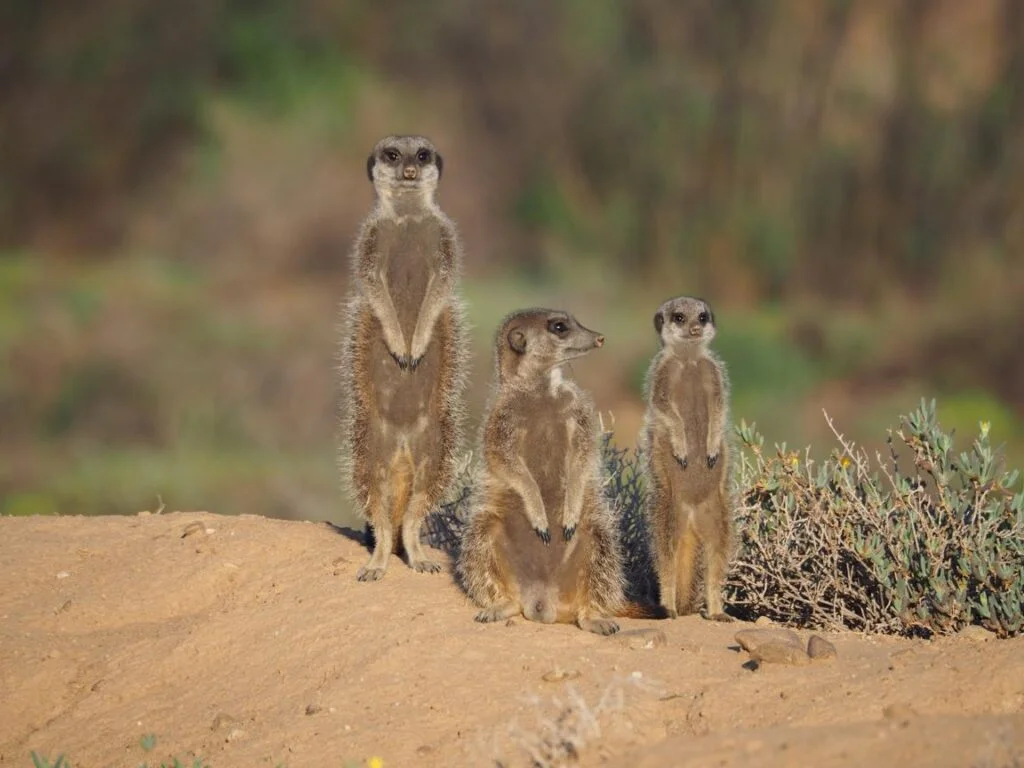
{"type": "Point", "coordinates": [403, 355]}
{"type": "Point", "coordinates": [541, 539]}
{"type": "Point", "coordinates": [688, 457]}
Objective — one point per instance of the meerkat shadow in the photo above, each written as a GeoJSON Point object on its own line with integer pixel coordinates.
{"type": "Point", "coordinates": [442, 529]}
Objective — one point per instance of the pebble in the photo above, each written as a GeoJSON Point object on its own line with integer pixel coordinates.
{"type": "Point", "coordinates": [641, 639]}
{"type": "Point", "coordinates": [820, 649]}
{"type": "Point", "coordinates": [773, 646]}
{"type": "Point", "coordinates": [976, 632]}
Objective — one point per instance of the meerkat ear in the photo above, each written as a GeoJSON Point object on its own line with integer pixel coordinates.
{"type": "Point", "coordinates": [370, 161]}
{"type": "Point", "coordinates": [517, 341]}
{"type": "Point", "coordinates": [659, 321]}
{"type": "Point", "coordinates": [440, 164]}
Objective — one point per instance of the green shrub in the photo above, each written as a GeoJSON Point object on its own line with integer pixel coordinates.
{"type": "Point", "coordinates": [919, 544]}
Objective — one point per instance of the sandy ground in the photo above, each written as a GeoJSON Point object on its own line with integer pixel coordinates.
{"type": "Point", "coordinates": [247, 641]}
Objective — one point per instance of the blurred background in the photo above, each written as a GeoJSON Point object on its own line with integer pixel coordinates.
{"type": "Point", "coordinates": [180, 184]}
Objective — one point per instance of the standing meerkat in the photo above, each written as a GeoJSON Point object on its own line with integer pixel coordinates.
{"type": "Point", "coordinates": [688, 456]}
{"type": "Point", "coordinates": [541, 539]}
{"type": "Point", "coordinates": [403, 354]}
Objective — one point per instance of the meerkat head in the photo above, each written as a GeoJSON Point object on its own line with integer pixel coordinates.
{"type": "Point", "coordinates": [406, 166]}
{"type": "Point", "coordinates": [685, 320]}
{"type": "Point", "coordinates": [531, 342]}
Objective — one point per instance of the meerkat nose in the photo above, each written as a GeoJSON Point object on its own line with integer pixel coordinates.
{"type": "Point", "coordinates": [599, 341]}
{"type": "Point", "coordinates": [696, 330]}
{"type": "Point", "coordinates": [409, 172]}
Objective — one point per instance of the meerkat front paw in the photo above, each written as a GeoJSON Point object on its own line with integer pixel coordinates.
{"type": "Point", "coordinates": [402, 360]}
{"type": "Point", "coordinates": [682, 462]}
{"type": "Point", "coordinates": [712, 460]}
{"type": "Point", "coordinates": [543, 534]}
{"type": "Point", "coordinates": [568, 532]}
{"type": "Point", "coordinates": [414, 362]}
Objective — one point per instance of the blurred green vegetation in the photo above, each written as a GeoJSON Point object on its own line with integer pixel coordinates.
{"type": "Point", "coordinates": [844, 181]}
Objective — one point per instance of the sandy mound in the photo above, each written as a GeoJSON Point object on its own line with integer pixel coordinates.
{"type": "Point", "coordinates": [247, 641]}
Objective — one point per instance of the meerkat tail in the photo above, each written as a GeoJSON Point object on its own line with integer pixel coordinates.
{"type": "Point", "coordinates": [632, 610]}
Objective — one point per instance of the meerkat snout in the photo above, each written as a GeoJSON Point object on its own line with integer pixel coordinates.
{"type": "Point", "coordinates": [409, 172]}
{"type": "Point", "coordinates": [599, 341]}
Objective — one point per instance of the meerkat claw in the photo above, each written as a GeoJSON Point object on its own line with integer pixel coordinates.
{"type": "Point", "coordinates": [370, 574]}
{"type": "Point", "coordinates": [414, 363]}
{"type": "Point", "coordinates": [543, 535]}
{"type": "Point", "coordinates": [568, 532]}
{"type": "Point", "coordinates": [426, 566]}
{"type": "Point", "coordinates": [712, 460]}
{"type": "Point", "coordinates": [402, 360]}
{"type": "Point", "coordinates": [683, 462]}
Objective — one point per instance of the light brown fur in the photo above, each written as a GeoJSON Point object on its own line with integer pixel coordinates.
{"type": "Point", "coordinates": [541, 539]}
{"type": "Point", "coordinates": [688, 457]}
{"type": "Point", "coordinates": [403, 355]}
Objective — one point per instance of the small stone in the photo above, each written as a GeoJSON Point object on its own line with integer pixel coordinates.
{"type": "Point", "coordinates": [763, 621]}
{"type": "Point", "coordinates": [820, 649]}
{"type": "Point", "coordinates": [424, 750]}
{"type": "Point", "coordinates": [63, 607]}
{"type": "Point", "coordinates": [63, 574]}
{"type": "Point", "coordinates": [557, 675]}
{"type": "Point", "coordinates": [641, 639]}
{"type": "Point", "coordinates": [976, 632]}
{"type": "Point", "coordinates": [312, 709]}
{"type": "Point", "coordinates": [750, 639]}
{"type": "Point", "coordinates": [192, 529]}
{"type": "Point", "coordinates": [779, 653]}
{"type": "Point", "coordinates": [221, 721]}
{"type": "Point", "coordinates": [235, 735]}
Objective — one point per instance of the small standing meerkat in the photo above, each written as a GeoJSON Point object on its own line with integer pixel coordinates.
{"type": "Point", "coordinates": [541, 539]}
{"type": "Point", "coordinates": [403, 354]}
{"type": "Point", "coordinates": [688, 457]}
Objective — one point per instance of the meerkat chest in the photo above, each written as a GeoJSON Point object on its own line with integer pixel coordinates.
{"type": "Point", "coordinates": [408, 249]}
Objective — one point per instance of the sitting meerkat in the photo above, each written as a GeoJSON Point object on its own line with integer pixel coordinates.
{"type": "Point", "coordinates": [403, 355]}
{"type": "Point", "coordinates": [541, 539]}
{"type": "Point", "coordinates": [688, 456]}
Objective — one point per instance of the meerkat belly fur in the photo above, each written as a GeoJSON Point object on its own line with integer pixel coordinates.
{"type": "Point", "coordinates": [541, 539]}
{"type": "Point", "coordinates": [403, 355]}
{"type": "Point", "coordinates": [688, 455]}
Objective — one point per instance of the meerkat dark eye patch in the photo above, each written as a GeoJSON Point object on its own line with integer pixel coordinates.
{"type": "Point", "coordinates": [423, 156]}
{"type": "Point", "coordinates": [678, 317]}
{"type": "Point", "coordinates": [391, 155]}
{"type": "Point", "coordinates": [558, 327]}
{"type": "Point", "coordinates": [439, 163]}
{"type": "Point", "coordinates": [659, 322]}
{"type": "Point", "coordinates": [370, 162]}
{"type": "Point", "coordinates": [703, 318]}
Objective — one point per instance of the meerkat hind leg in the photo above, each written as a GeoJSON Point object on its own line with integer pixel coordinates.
{"type": "Point", "coordinates": [419, 508]}
{"type": "Point", "coordinates": [499, 612]}
{"type": "Point", "coordinates": [384, 543]}
{"type": "Point", "coordinates": [686, 567]}
{"type": "Point", "coordinates": [598, 626]}
{"type": "Point", "coordinates": [666, 557]}
{"type": "Point", "coordinates": [714, 534]}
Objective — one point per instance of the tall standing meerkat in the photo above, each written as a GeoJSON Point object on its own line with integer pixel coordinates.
{"type": "Point", "coordinates": [541, 539]}
{"type": "Point", "coordinates": [688, 455]}
{"type": "Point", "coordinates": [403, 354]}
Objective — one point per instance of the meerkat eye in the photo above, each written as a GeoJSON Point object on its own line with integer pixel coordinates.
{"type": "Point", "coordinates": [391, 155]}
{"type": "Point", "coordinates": [558, 327]}
{"type": "Point", "coordinates": [423, 155]}
{"type": "Point", "coordinates": [703, 318]}
{"type": "Point", "coordinates": [678, 317]}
